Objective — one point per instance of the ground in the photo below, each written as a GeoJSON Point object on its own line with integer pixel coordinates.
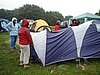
{"type": "Point", "coordinates": [9, 63]}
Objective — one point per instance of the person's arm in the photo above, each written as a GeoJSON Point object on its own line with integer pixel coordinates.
{"type": "Point", "coordinates": [29, 36]}
{"type": "Point", "coordinates": [9, 26]}
{"type": "Point", "coordinates": [19, 26]}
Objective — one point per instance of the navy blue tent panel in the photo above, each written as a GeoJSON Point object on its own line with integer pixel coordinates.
{"type": "Point", "coordinates": [91, 43]}
{"type": "Point", "coordinates": [60, 46]}
{"type": "Point", "coordinates": [33, 55]}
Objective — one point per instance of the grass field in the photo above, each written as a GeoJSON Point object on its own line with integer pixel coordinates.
{"type": "Point", "coordinates": [9, 63]}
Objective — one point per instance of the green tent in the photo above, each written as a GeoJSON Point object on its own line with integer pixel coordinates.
{"type": "Point", "coordinates": [87, 16]}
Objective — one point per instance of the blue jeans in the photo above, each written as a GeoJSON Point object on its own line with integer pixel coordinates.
{"type": "Point", "coordinates": [13, 40]}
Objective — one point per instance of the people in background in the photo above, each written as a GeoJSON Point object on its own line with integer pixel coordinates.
{"type": "Point", "coordinates": [24, 41]}
{"type": "Point", "coordinates": [57, 25]}
{"type": "Point", "coordinates": [13, 27]}
{"type": "Point", "coordinates": [63, 25]}
{"type": "Point", "coordinates": [75, 22]}
{"type": "Point", "coordinates": [31, 28]}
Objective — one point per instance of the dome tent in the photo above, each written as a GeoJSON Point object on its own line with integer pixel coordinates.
{"type": "Point", "coordinates": [81, 41]}
{"type": "Point", "coordinates": [3, 23]}
{"type": "Point", "coordinates": [4, 20]}
{"type": "Point", "coordinates": [40, 25]}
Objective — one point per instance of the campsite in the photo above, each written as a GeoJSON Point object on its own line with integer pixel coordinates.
{"type": "Point", "coordinates": [9, 64]}
{"type": "Point", "coordinates": [51, 38]}
{"type": "Point", "coordinates": [68, 51]}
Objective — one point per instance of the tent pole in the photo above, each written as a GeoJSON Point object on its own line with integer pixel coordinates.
{"type": "Point", "coordinates": [79, 64]}
{"type": "Point", "coordinates": [85, 19]}
{"type": "Point", "coordinates": [69, 22]}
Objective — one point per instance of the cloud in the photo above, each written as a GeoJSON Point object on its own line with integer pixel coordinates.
{"type": "Point", "coordinates": [65, 7]}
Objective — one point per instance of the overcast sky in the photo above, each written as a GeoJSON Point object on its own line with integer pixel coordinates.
{"type": "Point", "coordinates": [65, 7]}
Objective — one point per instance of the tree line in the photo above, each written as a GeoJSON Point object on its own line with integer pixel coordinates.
{"type": "Point", "coordinates": [32, 12]}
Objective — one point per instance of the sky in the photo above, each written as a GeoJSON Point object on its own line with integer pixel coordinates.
{"type": "Point", "coordinates": [65, 7]}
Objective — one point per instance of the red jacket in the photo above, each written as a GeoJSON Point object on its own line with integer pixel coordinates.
{"type": "Point", "coordinates": [24, 34]}
{"type": "Point", "coordinates": [57, 27]}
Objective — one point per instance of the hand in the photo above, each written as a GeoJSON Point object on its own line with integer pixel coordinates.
{"type": "Point", "coordinates": [32, 45]}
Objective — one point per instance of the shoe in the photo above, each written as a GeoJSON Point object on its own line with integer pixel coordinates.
{"type": "Point", "coordinates": [19, 52]}
{"type": "Point", "coordinates": [12, 49]}
{"type": "Point", "coordinates": [15, 48]}
{"type": "Point", "coordinates": [21, 63]}
{"type": "Point", "coordinates": [26, 66]}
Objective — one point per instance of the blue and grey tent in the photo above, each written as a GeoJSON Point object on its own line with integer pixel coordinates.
{"type": "Point", "coordinates": [70, 43]}
{"type": "Point", "coordinates": [3, 23]}
{"type": "Point", "coordinates": [4, 20]}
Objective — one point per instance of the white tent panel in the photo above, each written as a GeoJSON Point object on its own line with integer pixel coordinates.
{"type": "Point", "coordinates": [79, 37]}
{"type": "Point", "coordinates": [39, 40]}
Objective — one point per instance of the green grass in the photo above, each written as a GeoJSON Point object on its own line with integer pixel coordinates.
{"type": "Point", "coordinates": [9, 63]}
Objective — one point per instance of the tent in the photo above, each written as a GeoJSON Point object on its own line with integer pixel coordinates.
{"type": "Point", "coordinates": [87, 16]}
{"type": "Point", "coordinates": [4, 20]}
{"type": "Point", "coordinates": [3, 23]}
{"type": "Point", "coordinates": [81, 41]}
{"type": "Point", "coordinates": [40, 25]}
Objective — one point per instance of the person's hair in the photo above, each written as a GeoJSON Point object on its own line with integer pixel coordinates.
{"type": "Point", "coordinates": [58, 22]}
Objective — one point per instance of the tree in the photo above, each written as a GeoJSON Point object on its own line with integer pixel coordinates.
{"type": "Point", "coordinates": [51, 17]}
{"type": "Point", "coordinates": [7, 14]}
{"type": "Point", "coordinates": [29, 12]}
{"type": "Point", "coordinates": [32, 12]}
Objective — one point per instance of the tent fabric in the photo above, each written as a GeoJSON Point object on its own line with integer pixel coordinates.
{"type": "Point", "coordinates": [70, 43]}
{"type": "Point", "coordinates": [59, 46]}
{"type": "Point", "coordinates": [4, 20]}
{"type": "Point", "coordinates": [91, 42]}
{"type": "Point", "coordinates": [40, 44]}
{"type": "Point", "coordinates": [88, 16]}
{"type": "Point", "coordinates": [38, 23]}
{"type": "Point", "coordinates": [79, 34]}
{"type": "Point", "coordinates": [3, 23]}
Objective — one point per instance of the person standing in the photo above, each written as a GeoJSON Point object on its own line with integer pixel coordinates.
{"type": "Point", "coordinates": [13, 27]}
{"type": "Point", "coordinates": [25, 41]}
{"type": "Point", "coordinates": [57, 26]}
{"type": "Point", "coordinates": [75, 22]}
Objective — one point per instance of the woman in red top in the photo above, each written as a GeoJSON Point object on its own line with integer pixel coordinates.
{"type": "Point", "coordinates": [57, 26]}
{"type": "Point", "coordinates": [24, 41]}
